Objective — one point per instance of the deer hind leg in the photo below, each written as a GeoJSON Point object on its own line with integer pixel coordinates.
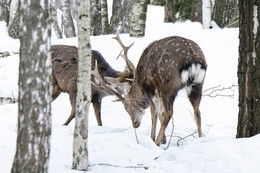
{"type": "Point", "coordinates": [73, 108]}
{"type": "Point", "coordinates": [165, 118]}
{"type": "Point", "coordinates": [97, 109]}
{"type": "Point", "coordinates": [195, 97]}
{"type": "Point", "coordinates": [154, 119]}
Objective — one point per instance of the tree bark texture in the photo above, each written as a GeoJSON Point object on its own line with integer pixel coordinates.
{"type": "Point", "coordinates": [13, 28]}
{"type": "Point", "coordinates": [35, 89]}
{"type": "Point", "coordinates": [225, 13]}
{"type": "Point", "coordinates": [96, 27]}
{"type": "Point", "coordinates": [120, 19]}
{"type": "Point", "coordinates": [55, 23]}
{"type": "Point", "coordinates": [80, 149]}
{"type": "Point", "coordinates": [178, 10]}
{"type": "Point", "coordinates": [249, 69]}
{"type": "Point", "coordinates": [68, 25]}
{"type": "Point", "coordinates": [4, 11]}
{"type": "Point", "coordinates": [138, 18]}
{"type": "Point", "coordinates": [104, 17]}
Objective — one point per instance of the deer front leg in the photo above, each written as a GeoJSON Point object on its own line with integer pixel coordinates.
{"type": "Point", "coordinates": [97, 109]}
{"type": "Point", "coordinates": [73, 108]}
{"type": "Point", "coordinates": [164, 123]}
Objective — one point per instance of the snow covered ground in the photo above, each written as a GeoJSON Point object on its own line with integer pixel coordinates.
{"type": "Point", "coordinates": [113, 148]}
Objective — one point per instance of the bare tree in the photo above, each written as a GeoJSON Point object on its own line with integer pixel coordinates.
{"type": "Point", "coordinates": [104, 17]}
{"type": "Point", "coordinates": [120, 19]}
{"type": "Point", "coordinates": [4, 10]}
{"type": "Point", "coordinates": [138, 18]}
{"type": "Point", "coordinates": [34, 108]}
{"type": "Point", "coordinates": [68, 25]}
{"type": "Point", "coordinates": [248, 69]}
{"type": "Point", "coordinates": [80, 150]}
{"type": "Point", "coordinates": [13, 28]}
{"type": "Point", "coordinates": [55, 23]}
{"type": "Point", "coordinates": [225, 13]}
{"type": "Point", "coordinates": [176, 10]}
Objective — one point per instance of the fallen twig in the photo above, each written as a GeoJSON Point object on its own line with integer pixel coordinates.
{"type": "Point", "coordinates": [7, 100]}
{"type": "Point", "coordinates": [215, 91]}
{"type": "Point", "coordinates": [118, 166]}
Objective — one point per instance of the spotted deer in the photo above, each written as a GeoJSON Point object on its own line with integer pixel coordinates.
{"type": "Point", "coordinates": [64, 74]}
{"type": "Point", "coordinates": [165, 67]}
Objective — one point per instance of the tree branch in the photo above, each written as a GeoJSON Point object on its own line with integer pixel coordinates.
{"type": "Point", "coordinates": [216, 91]}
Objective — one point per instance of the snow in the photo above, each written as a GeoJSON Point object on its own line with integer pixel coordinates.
{"type": "Point", "coordinates": [113, 147]}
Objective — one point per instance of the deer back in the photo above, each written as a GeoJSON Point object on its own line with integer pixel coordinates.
{"type": "Point", "coordinates": [163, 61]}
{"type": "Point", "coordinates": [65, 69]}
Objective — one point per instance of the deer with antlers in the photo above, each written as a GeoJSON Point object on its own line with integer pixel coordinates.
{"type": "Point", "coordinates": [165, 67]}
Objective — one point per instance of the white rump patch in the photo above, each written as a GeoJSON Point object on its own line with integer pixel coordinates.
{"type": "Point", "coordinates": [195, 74]}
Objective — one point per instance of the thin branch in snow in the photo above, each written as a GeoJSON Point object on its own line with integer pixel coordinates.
{"type": "Point", "coordinates": [118, 166]}
{"type": "Point", "coordinates": [171, 134]}
{"type": "Point", "coordinates": [215, 91]}
{"type": "Point", "coordinates": [136, 136]}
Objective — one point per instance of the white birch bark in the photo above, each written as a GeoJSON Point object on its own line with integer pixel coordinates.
{"type": "Point", "coordinates": [138, 18]}
{"type": "Point", "coordinates": [80, 149]}
{"type": "Point", "coordinates": [206, 14]}
{"type": "Point", "coordinates": [35, 89]}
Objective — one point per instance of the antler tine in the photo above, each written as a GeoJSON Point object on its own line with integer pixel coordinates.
{"type": "Point", "coordinates": [102, 83]}
{"type": "Point", "coordinates": [130, 65]}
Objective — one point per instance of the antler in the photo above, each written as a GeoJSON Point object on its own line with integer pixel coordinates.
{"type": "Point", "coordinates": [101, 83]}
{"type": "Point", "coordinates": [129, 64]}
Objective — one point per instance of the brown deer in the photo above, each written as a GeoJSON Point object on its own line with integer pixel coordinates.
{"type": "Point", "coordinates": [165, 67]}
{"type": "Point", "coordinates": [64, 74]}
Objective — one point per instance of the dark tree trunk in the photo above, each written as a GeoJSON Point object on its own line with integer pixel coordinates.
{"type": "Point", "coordinates": [120, 19]}
{"type": "Point", "coordinates": [249, 69]}
{"type": "Point", "coordinates": [96, 28]}
{"type": "Point", "coordinates": [4, 11]}
{"type": "Point", "coordinates": [104, 17]}
{"type": "Point", "coordinates": [34, 107]}
{"type": "Point", "coordinates": [178, 10]}
{"type": "Point", "coordinates": [225, 13]}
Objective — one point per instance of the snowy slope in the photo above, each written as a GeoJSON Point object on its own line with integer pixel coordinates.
{"type": "Point", "coordinates": [113, 147]}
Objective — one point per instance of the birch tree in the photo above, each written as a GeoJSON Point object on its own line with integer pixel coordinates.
{"type": "Point", "coordinates": [68, 25]}
{"type": "Point", "coordinates": [248, 69]}
{"type": "Point", "coordinates": [35, 89]}
{"type": "Point", "coordinates": [138, 18]}
{"type": "Point", "coordinates": [80, 150]}
{"type": "Point", "coordinates": [206, 14]}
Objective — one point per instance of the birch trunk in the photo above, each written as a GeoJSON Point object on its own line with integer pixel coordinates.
{"type": "Point", "coordinates": [206, 14]}
{"type": "Point", "coordinates": [35, 89]}
{"type": "Point", "coordinates": [80, 149]}
{"type": "Point", "coordinates": [138, 18]}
